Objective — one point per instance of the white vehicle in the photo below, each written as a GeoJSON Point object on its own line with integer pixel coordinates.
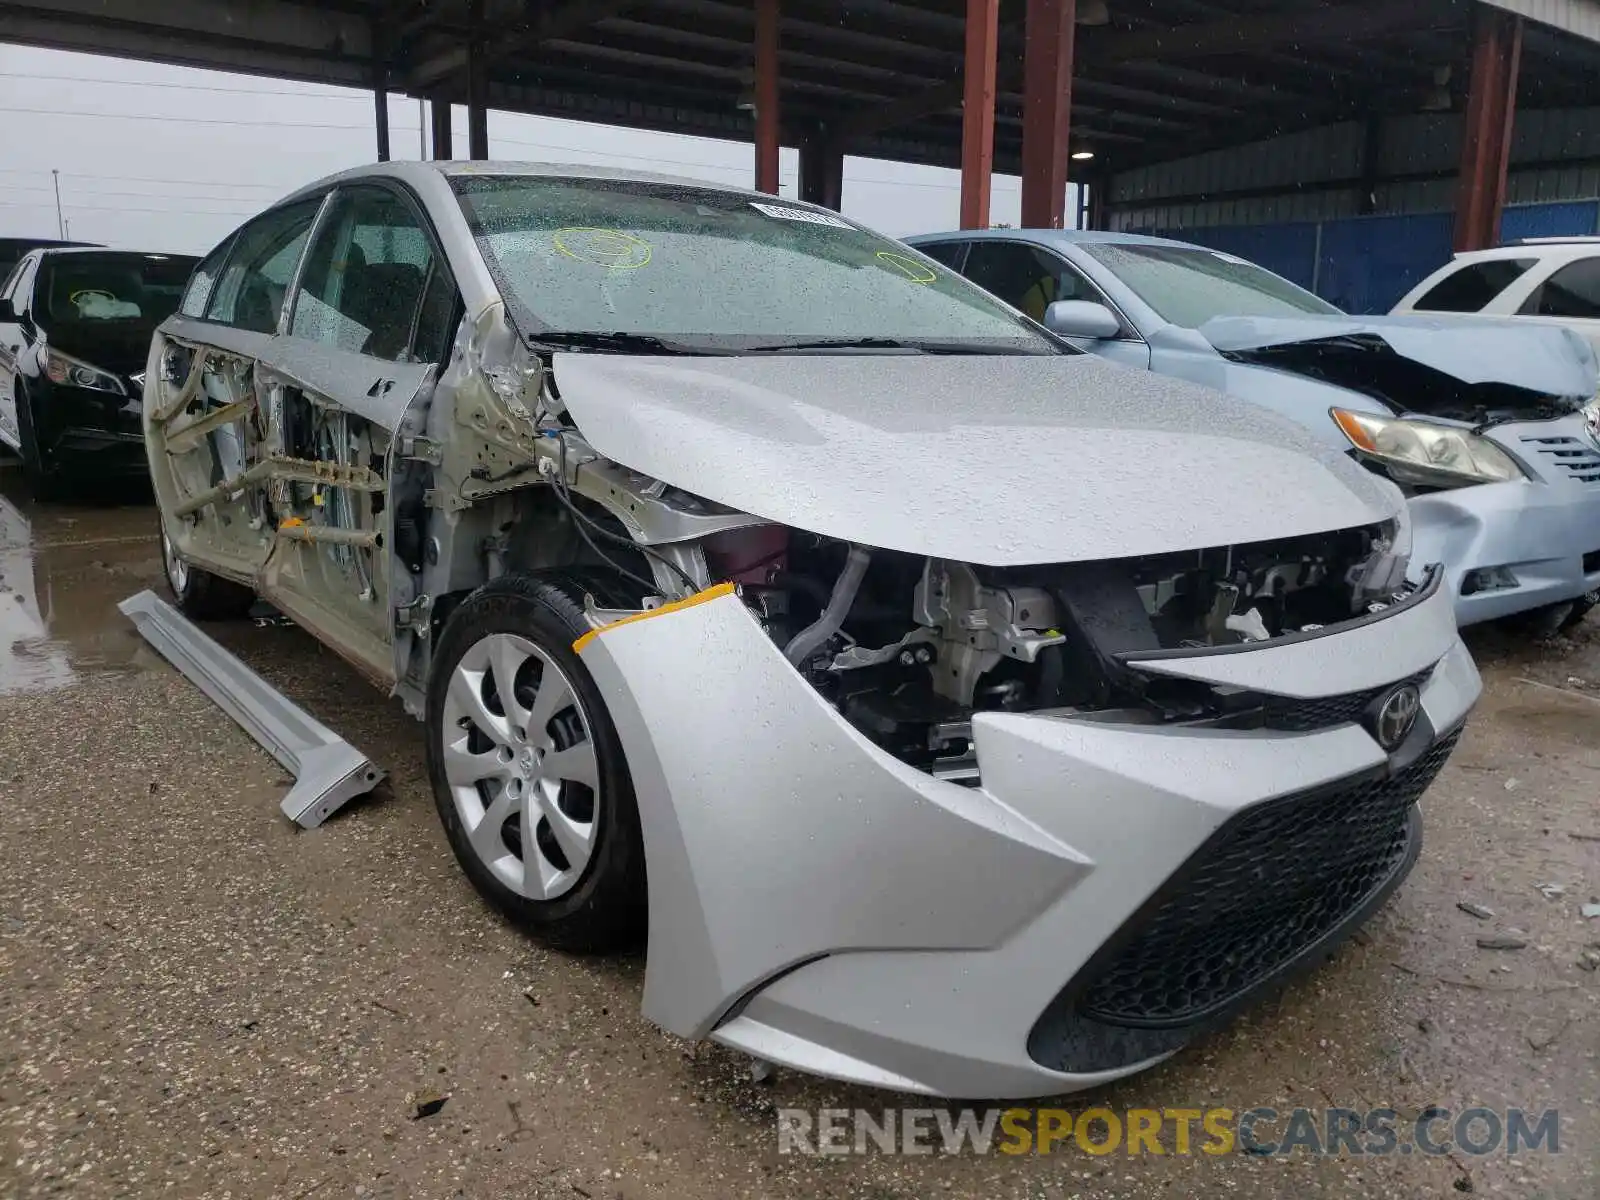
{"type": "Point", "coordinates": [1555, 281]}
{"type": "Point", "coordinates": [960, 713]}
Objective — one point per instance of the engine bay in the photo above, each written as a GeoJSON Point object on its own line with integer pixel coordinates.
{"type": "Point", "coordinates": [908, 649]}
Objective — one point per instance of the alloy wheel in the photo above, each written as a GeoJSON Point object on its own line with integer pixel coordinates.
{"type": "Point", "coordinates": [520, 762]}
{"type": "Point", "coordinates": [177, 569]}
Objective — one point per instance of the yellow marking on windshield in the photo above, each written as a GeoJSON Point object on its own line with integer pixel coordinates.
{"type": "Point", "coordinates": [909, 267]}
{"type": "Point", "coordinates": [610, 248]}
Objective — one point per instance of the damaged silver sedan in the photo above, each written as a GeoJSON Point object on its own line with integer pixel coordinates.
{"type": "Point", "coordinates": [1491, 429]}
{"type": "Point", "coordinates": [954, 712]}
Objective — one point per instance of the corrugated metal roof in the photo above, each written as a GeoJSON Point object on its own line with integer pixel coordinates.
{"type": "Point", "coordinates": [1580, 17]}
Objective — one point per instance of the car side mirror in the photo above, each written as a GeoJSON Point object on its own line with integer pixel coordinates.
{"type": "Point", "coordinates": [1082, 319]}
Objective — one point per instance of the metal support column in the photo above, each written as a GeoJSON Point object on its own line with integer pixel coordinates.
{"type": "Point", "coordinates": [1371, 164]}
{"type": "Point", "coordinates": [767, 114]}
{"type": "Point", "coordinates": [1100, 200]}
{"type": "Point", "coordinates": [477, 89]}
{"type": "Point", "coordinates": [822, 170]}
{"type": "Point", "coordinates": [977, 111]}
{"type": "Point", "coordinates": [1488, 122]}
{"type": "Point", "coordinates": [1046, 111]}
{"type": "Point", "coordinates": [440, 117]}
{"type": "Point", "coordinates": [380, 102]}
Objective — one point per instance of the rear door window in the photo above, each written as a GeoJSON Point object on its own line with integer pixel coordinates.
{"type": "Point", "coordinates": [1474, 286]}
{"type": "Point", "coordinates": [1573, 291]}
{"type": "Point", "coordinates": [372, 283]}
{"type": "Point", "coordinates": [249, 294]}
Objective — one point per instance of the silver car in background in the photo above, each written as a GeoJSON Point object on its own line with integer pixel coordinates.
{"type": "Point", "coordinates": [955, 712]}
{"type": "Point", "coordinates": [1491, 427]}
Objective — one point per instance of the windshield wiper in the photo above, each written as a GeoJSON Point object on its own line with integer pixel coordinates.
{"type": "Point", "coordinates": [913, 345]}
{"type": "Point", "coordinates": [614, 343]}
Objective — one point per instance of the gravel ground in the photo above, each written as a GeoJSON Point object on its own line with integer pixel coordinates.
{"type": "Point", "coordinates": [198, 1000]}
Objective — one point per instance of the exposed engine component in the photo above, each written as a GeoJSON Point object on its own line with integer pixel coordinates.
{"type": "Point", "coordinates": [833, 617]}
{"type": "Point", "coordinates": [979, 625]}
{"type": "Point", "coordinates": [909, 649]}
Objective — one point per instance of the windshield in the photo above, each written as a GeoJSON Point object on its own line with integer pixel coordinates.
{"type": "Point", "coordinates": [87, 289]}
{"type": "Point", "coordinates": [1188, 286]}
{"type": "Point", "coordinates": [716, 272]}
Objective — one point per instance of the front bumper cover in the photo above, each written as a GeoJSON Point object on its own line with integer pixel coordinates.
{"type": "Point", "coordinates": [1541, 532]}
{"type": "Point", "coordinates": [815, 902]}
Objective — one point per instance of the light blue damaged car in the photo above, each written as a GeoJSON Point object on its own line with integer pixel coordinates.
{"type": "Point", "coordinates": [1492, 430]}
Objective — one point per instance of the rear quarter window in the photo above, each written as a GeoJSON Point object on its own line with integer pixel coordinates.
{"type": "Point", "coordinates": [1474, 286]}
{"type": "Point", "coordinates": [1573, 291]}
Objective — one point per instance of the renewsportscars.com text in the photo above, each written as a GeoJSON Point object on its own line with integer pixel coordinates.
{"type": "Point", "coordinates": [1175, 1131]}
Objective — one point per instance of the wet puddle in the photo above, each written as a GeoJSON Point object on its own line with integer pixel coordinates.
{"type": "Point", "coordinates": [63, 570]}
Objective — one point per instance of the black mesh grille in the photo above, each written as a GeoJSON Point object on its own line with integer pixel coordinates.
{"type": "Point", "coordinates": [1268, 885]}
{"type": "Point", "coordinates": [1323, 712]}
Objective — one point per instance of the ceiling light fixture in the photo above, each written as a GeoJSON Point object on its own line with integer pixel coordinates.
{"type": "Point", "coordinates": [1093, 12]}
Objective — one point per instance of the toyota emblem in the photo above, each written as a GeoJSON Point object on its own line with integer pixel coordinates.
{"type": "Point", "coordinates": [1397, 715]}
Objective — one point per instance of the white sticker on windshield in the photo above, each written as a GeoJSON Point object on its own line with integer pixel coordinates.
{"type": "Point", "coordinates": [783, 213]}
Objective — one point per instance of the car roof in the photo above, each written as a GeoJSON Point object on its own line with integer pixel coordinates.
{"type": "Point", "coordinates": [415, 173]}
{"type": "Point", "coordinates": [29, 243]}
{"type": "Point", "coordinates": [103, 251]}
{"type": "Point", "coordinates": [1546, 251]}
{"type": "Point", "coordinates": [1053, 237]}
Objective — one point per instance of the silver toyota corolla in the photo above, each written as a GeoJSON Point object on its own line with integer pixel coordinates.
{"type": "Point", "coordinates": [957, 712]}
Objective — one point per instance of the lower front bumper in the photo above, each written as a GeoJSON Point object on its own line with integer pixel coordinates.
{"type": "Point", "coordinates": [819, 904]}
{"type": "Point", "coordinates": [1543, 536]}
{"type": "Point", "coordinates": [98, 452]}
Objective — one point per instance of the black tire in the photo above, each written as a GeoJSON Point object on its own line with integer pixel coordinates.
{"type": "Point", "coordinates": [606, 908]}
{"type": "Point", "coordinates": [1546, 623]}
{"type": "Point", "coordinates": [1581, 608]}
{"type": "Point", "coordinates": [200, 594]}
{"type": "Point", "coordinates": [43, 481]}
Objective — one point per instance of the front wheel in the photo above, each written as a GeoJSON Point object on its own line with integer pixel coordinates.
{"type": "Point", "coordinates": [44, 479]}
{"type": "Point", "coordinates": [527, 769]}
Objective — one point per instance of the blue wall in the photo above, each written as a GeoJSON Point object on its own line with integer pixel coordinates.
{"type": "Point", "coordinates": [1366, 264]}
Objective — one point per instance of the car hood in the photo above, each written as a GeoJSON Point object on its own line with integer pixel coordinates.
{"type": "Point", "coordinates": [121, 347]}
{"type": "Point", "coordinates": [994, 460]}
{"type": "Point", "coordinates": [1543, 359]}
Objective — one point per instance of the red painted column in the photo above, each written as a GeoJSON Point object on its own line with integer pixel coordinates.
{"type": "Point", "coordinates": [767, 115]}
{"type": "Point", "coordinates": [977, 111]}
{"type": "Point", "coordinates": [1487, 127]}
{"type": "Point", "coordinates": [1046, 112]}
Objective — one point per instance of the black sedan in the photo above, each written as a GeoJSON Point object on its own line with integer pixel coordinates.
{"type": "Point", "coordinates": [75, 329]}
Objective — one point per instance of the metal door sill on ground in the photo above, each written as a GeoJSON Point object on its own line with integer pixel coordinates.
{"type": "Point", "coordinates": [328, 771]}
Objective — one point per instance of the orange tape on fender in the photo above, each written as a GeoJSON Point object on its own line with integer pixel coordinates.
{"type": "Point", "coordinates": [711, 593]}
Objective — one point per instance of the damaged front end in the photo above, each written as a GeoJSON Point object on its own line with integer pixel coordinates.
{"type": "Point", "coordinates": [1439, 390]}
{"type": "Point", "coordinates": [1491, 429]}
{"type": "Point", "coordinates": [909, 649]}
